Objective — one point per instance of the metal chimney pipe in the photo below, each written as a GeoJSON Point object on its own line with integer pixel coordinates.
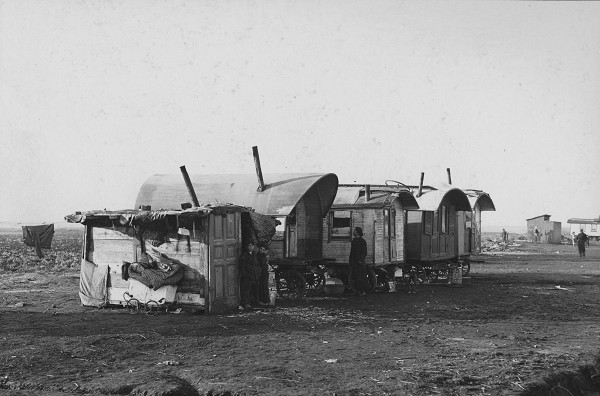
{"type": "Point", "coordinates": [367, 193]}
{"type": "Point", "coordinates": [421, 185]}
{"type": "Point", "coordinates": [261, 182]}
{"type": "Point", "coordinates": [449, 176]}
{"type": "Point", "coordinates": [189, 185]}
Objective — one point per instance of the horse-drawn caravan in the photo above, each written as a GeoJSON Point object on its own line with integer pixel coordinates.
{"type": "Point", "coordinates": [298, 201]}
{"type": "Point", "coordinates": [380, 211]}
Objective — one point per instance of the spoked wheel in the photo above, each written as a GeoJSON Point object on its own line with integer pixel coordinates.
{"type": "Point", "coordinates": [291, 284]}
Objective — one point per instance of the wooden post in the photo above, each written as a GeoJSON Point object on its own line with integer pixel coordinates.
{"type": "Point", "coordinates": [421, 185]}
{"type": "Point", "coordinates": [261, 183]}
{"type": "Point", "coordinates": [189, 185]}
{"type": "Point", "coordinates": [449, 176]}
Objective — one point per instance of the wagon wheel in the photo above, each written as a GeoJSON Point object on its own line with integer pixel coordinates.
{"type": "Point", "coordinates": [466, 267]}
{"type": "Point", "coordinates": [291, 284]}
{"type": "Point", "coordinates": [372, 279]}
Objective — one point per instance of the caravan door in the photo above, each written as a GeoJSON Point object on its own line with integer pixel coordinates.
{"type": "Point", "coordinates": [225, 239]}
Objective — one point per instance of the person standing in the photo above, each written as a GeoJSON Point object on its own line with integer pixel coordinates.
{"type": "Point", "coordinates": [249, 276]}
{"type": "Point", "coordinates": [537, 234]}
{"type": "Point", "coordinates": [582, 238]}
{"type": "Point", "coordinates": [263, 281]}
{"type": "Point", "coordinates": [504, 236]}
{"type": "Point", "coordinates": [358, 264]}
{"type": "Point", "coordinates": [574, 238]}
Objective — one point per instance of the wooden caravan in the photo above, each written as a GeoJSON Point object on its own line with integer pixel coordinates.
{"type": "Point", "coordinates": [148, 259]}
{"type": "Point", "coordinates": [298, 201]}
{"type": "Point", "coordinates": [469, 230]}
{"type": "Point", "coordinates": [432, 230]}
{"type": "Point", "coordinates": [380, 211]}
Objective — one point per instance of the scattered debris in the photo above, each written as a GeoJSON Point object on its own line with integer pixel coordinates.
{"type": "Point", "coordinates": [331, 360]}
{"type": "Point", "coordinates": [169, 363]}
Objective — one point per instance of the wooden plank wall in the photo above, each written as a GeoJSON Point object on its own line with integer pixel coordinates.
{"type": "Point", "coordinates": [400, 216]}
{"type": "Point", "coordinates": [112, 247]}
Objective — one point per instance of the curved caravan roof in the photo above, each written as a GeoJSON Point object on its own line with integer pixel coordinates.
{"type": "Point", "coordinates": [430, 200]}
{"type": "Point", "coordinates": [353, 196]}
{"type": "Point", "coordinates": [282, 191]}
{"type": "Point", "coordinates": [483, 199]}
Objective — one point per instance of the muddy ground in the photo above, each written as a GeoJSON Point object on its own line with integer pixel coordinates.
{"type": "Point", "coordinates": [519, 317]}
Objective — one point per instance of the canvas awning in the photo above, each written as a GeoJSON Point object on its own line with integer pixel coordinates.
{"type": "Point", "coordinates": [281, 194]}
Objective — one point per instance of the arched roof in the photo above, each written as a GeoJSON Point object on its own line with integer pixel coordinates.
{"type": "Point", "coordinates": [431, 199]}
{"type": "Point", "coordinates": [281, 194]}
{"type": "Point", "coordinates": [482, 199]}
{"type": "Point", "coordinates": [354, 195]}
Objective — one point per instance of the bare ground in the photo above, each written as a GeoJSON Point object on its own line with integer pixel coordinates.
{"type": "Point", "coordinates": [505, 329]}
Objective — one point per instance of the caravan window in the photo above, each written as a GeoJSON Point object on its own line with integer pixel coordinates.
{"type": "Point", "coordinates": [386, 223]}
{"type": "Point", "coordinates": [444, 219]}
{"type": "Point", "coordinates": [427, 222]}
{"type": "Point", "coordinates": [594, 227]}
{"type": "Point", "coordinates": [340, 224]}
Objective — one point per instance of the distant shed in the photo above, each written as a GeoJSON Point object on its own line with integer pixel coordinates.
{"type": "Point", "coordinates": [550, 230]}
{"type": "Point", "coordinates": [298, 201]}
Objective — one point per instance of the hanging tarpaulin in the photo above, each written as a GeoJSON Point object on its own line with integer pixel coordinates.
{"type": "Point", "coordinates": [258, 228]}
{"type": "Point", "coordinates": [39, 236]}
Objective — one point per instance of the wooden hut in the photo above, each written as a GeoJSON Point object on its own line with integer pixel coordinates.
{"type": "Point", "coordinates": [469, 230]}
{"type": "Point", "coordinates": [187, 258]}
{"type": "Point", "coordinates": [380, 211]}
{"type": "Point", "coordinates": [298, 201]}
{"type": "Point", "coordinates": [432, 230]}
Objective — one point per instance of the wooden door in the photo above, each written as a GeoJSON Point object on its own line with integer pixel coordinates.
{"type": "Point", "coordinates": [225, 240]}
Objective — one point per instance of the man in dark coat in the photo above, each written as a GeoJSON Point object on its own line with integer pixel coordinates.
{"type": "Point", "coordinates": [358, 264]}
{"type": "Point", "coordinates": [249, 277]}
{"type": "Point", "coordinates": [582, 238]}
{"type": "Point", "coordinates": [263, 281]}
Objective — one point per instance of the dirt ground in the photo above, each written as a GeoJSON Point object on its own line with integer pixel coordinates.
{"type": "Point", "coordinates": [519, 317]}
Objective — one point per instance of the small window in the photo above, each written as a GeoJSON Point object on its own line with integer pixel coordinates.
{"type": "Point", "coordinates": [340, 224]}
{"type": "Point", "coordinates": [444, 219]}
{"type": "Point", "coordinates": [594, 227]}
{"type": "Point", "coordinates": [386, 223]}
{"type": "Point", "coordinates": [468, 219]}
{"type": "Point", "coordinates": [427, 223]}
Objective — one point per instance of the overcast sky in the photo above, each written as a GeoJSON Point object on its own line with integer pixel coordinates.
{"type": "Point", "coordinates": [96, 96]}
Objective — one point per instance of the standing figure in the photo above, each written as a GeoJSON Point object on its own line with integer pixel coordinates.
{"type": "Point", "coordinates": [537, 234]}
{"type": "Point", "coordinates": [574, 237]}
{"type": "Point", "coordinates": [582, 238]}
{"type": "Point", "coordinates": [263, 281]}
{"type": "Point", "coordinates": [358, 264]}
{"type": "Point", "coordinates": [504, 236]}
{"type": "Point", "coordinates": [249, 276]}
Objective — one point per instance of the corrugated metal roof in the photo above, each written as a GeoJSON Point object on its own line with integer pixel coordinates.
{"type": "Point", "coordinates": [431, 200]}
{"type": "Point", "coordinates": [282, 191]}
{"type": "Point", "coordinates": [380, 197]}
